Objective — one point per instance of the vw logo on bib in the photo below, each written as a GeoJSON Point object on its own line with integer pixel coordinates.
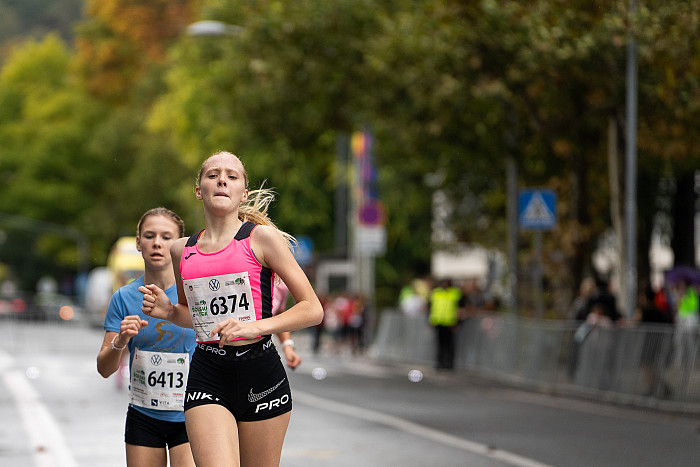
{"type": "Point", "coordinates": [156, 360]}
{"type": "Point", "coordinates": [214, 285]}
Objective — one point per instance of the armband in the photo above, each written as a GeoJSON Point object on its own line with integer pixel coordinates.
{"type": "Point", "coordinates": [288, 342]}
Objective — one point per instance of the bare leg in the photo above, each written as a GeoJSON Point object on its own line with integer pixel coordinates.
{"type": "Point", "coordinates": [144, 456]}
{"type": "Point", "coordinates": [213, 436]}
{"type": "Point", "coordinates": [181, 456]}
{"type": "Point", "coordinates": [261, 442]}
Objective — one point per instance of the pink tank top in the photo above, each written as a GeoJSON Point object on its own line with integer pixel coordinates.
{"type": "Point", "coordinates": [237, 257]}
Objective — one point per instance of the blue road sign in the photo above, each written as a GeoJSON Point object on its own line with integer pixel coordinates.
{"type": "Point", "coordinates": [537, 209]}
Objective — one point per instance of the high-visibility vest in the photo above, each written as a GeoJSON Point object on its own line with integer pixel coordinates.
{"type": "Point", "coordinates": [688, 304]}
{"type": "Point", "coordinates": [444, 305]}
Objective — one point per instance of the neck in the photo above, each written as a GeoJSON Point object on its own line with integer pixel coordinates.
{"type": "Point", "coordinates": [163, 278]}
{"type": "Point", "coordinates": [220, 229]}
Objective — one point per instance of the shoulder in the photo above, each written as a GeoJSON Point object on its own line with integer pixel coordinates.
{"type": "Point", "coordinates": [178, 246]}
{"type": "Point", "coordinates": [264, 235]}
{"type": "Point", "coordinates": [269, 246]}
{"type": "Point", "coordinates": [264, 230]}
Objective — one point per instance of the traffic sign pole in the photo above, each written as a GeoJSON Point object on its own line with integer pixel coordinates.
{"type": "Point", "coordinates": [537, 211]}
{"type": "Point", "coordinates": [537, 246]}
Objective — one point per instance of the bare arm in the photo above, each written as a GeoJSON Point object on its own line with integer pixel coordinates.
{"type": "Point", "coordinates": [272, 252]}
{"type": "Point", "coordinates": [108, 358]}
{"type": "Point", "coordinates": [293, 358]}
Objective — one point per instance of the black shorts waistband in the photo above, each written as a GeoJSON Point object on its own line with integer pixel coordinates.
{"type": "Point", "coordinates": [240, 352]}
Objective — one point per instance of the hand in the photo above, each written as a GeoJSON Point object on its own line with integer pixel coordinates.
{"type": "Point", "coordinates": [231, 328]}
{"type": "Point", "coordinates": [155, 302]}
{"type": "Point", "coordinates": [128, 328]}
{"type": "Point", "coordinates": [293, 358]}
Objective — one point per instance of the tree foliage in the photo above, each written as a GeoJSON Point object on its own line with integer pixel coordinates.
{"type": "Point", "coordinates": [451, 89]}
{"type": "Point", "coordinates": [120, 39]}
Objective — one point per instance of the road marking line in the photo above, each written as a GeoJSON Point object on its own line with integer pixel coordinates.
{"type": "Point", "coordinates": [414, 428]}
{"type": "Point", "coordinates": [45, 438]}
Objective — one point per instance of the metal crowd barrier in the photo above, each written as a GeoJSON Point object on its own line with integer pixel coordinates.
{"type": "Point", "coordinates": [655, 366]}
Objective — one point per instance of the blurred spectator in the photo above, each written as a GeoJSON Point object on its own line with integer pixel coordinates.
{"type": "Point", "coordinates": [579, 307]}
{"type": "Point", "coordinates": [602, 314]}
{"type": "Point", "coordinates": [444, 317]}
{"type": "Point", "coordinates": [333, 322]}
{"type": "Point", "coordinates": [578, 311]}
{"type": "Point", "coordinates": [411, 301]}
{"type": "Point", "coordinates": [604, 299]}
{"type": "Point", "coordinates": [598, 316]}
{"type": "Point", "coordinates": [597, 341]}
{"type": "Point", "coordinates": [424, 287]}
{"type": "Point", "coordinates": [686, 322]}
{"type": "Point", "coordinates": [344, 308]}
{"type": "Point", "coordinates": [356, 324]}
{"type": "Point", "coordinates": [655, 348]}
{"type": "Point", "coordinates": [663, 301]}
{"type": "Point", "coordinates": [473, 299]}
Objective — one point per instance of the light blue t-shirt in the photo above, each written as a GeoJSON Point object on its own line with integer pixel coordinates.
{"type": "Point", "coordinates": [158, 336]}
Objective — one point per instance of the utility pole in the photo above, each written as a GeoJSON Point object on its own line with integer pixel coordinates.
{"type": "Point", "coordinates": [512, 206]}
{"type": "Point", "coordinates": [631, 166]}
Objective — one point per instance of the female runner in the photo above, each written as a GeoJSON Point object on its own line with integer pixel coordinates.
{"type": "Point", "coordinates": [238, 399]}
{"type": "Point", "coordinates": [159, 352]}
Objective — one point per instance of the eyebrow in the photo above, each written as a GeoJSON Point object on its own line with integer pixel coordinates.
{"type": "Point", "coordinates": [220, 169]}
{"type": "Point", "coordinates": [151, 231]}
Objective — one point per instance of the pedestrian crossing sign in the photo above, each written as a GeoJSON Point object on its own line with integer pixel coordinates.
{"type": "Point", "coordinates": [537, 209]}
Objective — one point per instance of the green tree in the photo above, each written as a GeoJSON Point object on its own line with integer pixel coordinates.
{"type": "Point", "coordinates": [450, 88]}
{"type": "Point", "coordinates": [669, 110]}
{"type": "Point", "coordinates": [119, 40]}
{"type": "Point", "coordinates": [44, 125]}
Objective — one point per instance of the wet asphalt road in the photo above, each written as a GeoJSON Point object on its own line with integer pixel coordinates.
{"type": "Point", "coordinates": [348, 411]}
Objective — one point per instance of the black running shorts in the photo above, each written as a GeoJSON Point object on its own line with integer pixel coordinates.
{"type": "Point", "coordinates": [249, 380]}
{"type": "Point", "coordinates": [142, 430]}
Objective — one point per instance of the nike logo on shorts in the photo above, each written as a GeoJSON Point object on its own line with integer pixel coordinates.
{"type": "Point", "coordinates": [238, 354]}
{"type": "Point", "coordinates": [252, 397]}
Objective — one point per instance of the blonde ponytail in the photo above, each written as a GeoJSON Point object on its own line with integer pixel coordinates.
{"type": "Point", "coordinates": [254, 209]}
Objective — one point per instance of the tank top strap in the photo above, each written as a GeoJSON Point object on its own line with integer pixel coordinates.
{"type": "Point", "coordinates": [192, 241]}
{"type": "Point", "coordinates": [242, 234]}
{"type": "Point", "coordinates": [245, 230]}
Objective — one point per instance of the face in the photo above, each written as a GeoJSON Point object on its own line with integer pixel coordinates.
{"type": "Point", "coordinates": [157, 234]}
{"type": "Point", "coordinates": [222, 184]}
